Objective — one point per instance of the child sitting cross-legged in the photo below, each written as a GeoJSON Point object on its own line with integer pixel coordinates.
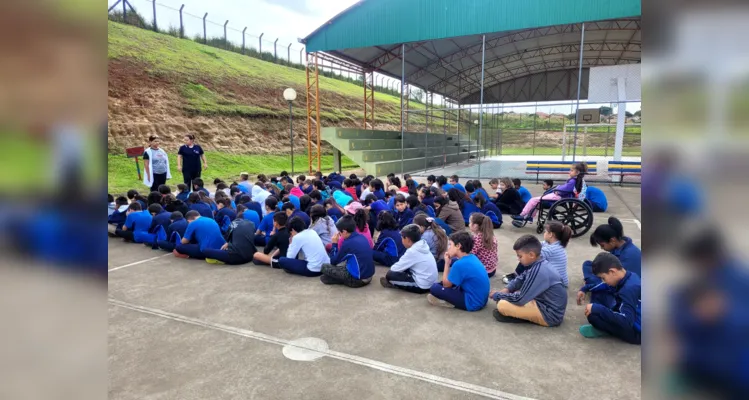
{"type": "Point", "coordinates": [537, 295]}
{"type": "Point", "coordinates": [484, 242]}
{"type": "Point", "coordinates": [388, 248]}
{"type": "Point", "coordinates": [624, 319]}
{"type": "Point", "coordinates": [352, 264]}
{"type": "Point", "coordinates": [465, 284]}
{"type": "Point", "coordinates": [416, 270]}
{"type": "Point", "coordinates": [307, 242]}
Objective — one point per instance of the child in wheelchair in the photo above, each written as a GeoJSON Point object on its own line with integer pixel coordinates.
{"type": "Point", "coordinates": [571, 188]}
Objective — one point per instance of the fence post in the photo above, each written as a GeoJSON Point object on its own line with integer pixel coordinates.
{"type": "Point", "coordinates": [124, 11]}
{"type": "Point", "coordinates": [288, 53]}
{"type": "Point", "coordinates": [226, 40]}
{"type": "Point", "coordinates": [300, 56]}
{"type": "Point", "coordinates": [205, 35]}
{"type": "Point", "coordinates": [155, 27]}
{"type": "Point", "coordinates": [275, 51]}
{"type": "Point", "coordinates": [181, 23]}
{"type": "Point", "coordinates": [260, 42]}
{"type": "Point", "coordinates": [243, 31]}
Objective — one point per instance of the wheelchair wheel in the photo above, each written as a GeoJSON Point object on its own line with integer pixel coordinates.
{"type": "Point", "coordinates": [573, 213]}
{"type": "Point", "coordinates": [540, 229]}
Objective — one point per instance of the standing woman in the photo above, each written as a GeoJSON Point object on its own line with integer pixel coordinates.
{"type": "Point", "coordinates": [189, 158]}
{"type": "Point", "coordinates": [155, 165]}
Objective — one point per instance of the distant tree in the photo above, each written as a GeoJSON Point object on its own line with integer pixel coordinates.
{"type": "Point", "coordinates": [606, 111]}
{"type": "Point", "coordinates": [628, 114]}
{"type": "Point", "coordinates": [570, 116]}
{"type": "Point", "coordinates": [417, 94]}
{"type": "Point", "coordinates": [638, 113]}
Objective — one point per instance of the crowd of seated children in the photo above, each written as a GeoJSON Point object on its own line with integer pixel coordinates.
{"type": "Point", "coordinates": [537, 294]}
{"type": "Point", "coordinates": [553, 250]}
{"type": "Point", "coordinates": [609, 237]}
{"type": "Point", "coordinates": [465, 284]}
{"type": "Point", "coordinates": [389, 247]}
{"type": "Point", "coordinates": [569, 189]}
{"type": "Point", "coordinates": [174, 233]}
{"type": "Point", "coordinates": [202, 233]}
{"type": "Point", "coordinates": [416, 270]}
{"type": "Point", "coordinates": [622, 319]}
{"type": "Point", "coordinates": [434, 236]}
{"type": "Point", "coordinates": [291, 212]}
{"type": "Point", "coordinates": [484, 242]}
{"type": "Point", "coordinates": [278, 243]}
{"type": "Point", "coordinates": [509, 201]}
{"type": "Point", "coordinates": [351, 263]}
{"type": "Point", "coordinates": [307, 242]}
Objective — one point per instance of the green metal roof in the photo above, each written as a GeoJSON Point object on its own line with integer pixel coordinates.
{"type": "Point", "coordinates": [386, 22]}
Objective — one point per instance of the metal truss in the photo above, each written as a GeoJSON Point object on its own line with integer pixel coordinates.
{"type": "Point", "coordinates": [313, 109]}
{"type": "Point", "coordinates": [369, 89]}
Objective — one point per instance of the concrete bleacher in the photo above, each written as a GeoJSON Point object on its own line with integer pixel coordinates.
{"type": "Point", "coordinates": [379, 152]}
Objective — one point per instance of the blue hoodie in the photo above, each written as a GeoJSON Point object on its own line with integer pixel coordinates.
{"type": "Point", "coordinates": [596, 199]}
{"type": "Point", "coordinates": [631, 258]}
{"type": "Point", "coordinates": [469, 208]}
{"type": "Point", "coordinates": [203, 209]}
{"type": "Point", "coordinates": [183, 196]}
{"type": "Point", "coordinates": [379, 194]}
{"type": "Point", "coordinates": [390, 242]}
{"type": "Point", "coordinates": [491, 211]}
{"type": "Point", "coordinates": [162, 219]}
{"type": "Point", "coordinates": [357, 254]}
{"type": "Point", "coordinates": [628, 302]}
{"type": "Point", "coordinates": [226, 211]}
{"type": "Point", "coordinates": [179, 226]}
{"type": "Point", "coordinates": [525, 195]}
{"type": "Point", "coordinates": [404, 218]}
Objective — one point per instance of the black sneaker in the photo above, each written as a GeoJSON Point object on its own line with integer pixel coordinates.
{"type": "Point", "coordinates": [384, 282]}
{"type": "Point", "coordinates": [274, 263]}
{"type": "Point", "coordinates": [503, 318]}
{"type": "Point", "coordinates": [327, 280]}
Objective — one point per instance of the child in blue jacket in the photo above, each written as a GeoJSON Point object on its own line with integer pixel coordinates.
{"type": "Point", "coordinates": [352, 264]}
{"type": "Point", "coordinates": [403, 214]}
{"type": "Point", "coordinates": [610, 237]}
{"type": "Point", "coordinates": [174, 232]}
{"type": "Point", "coordinates": [389, 247]}
{"type": "Point", "coordinates": [623, 319]}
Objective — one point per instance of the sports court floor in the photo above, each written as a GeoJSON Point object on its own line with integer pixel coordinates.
{"type": "Point", "coordinates": [185, 329]}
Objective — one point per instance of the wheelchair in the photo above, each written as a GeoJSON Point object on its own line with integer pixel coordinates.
{"type": "Point", "coordinates": [572, 211]}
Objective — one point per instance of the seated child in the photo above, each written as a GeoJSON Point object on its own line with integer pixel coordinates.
{"type": "Point", "coordinates": [490, 210]}
{"type": "Point", "coordinates": [118, 217]}
{"type": "Point", "coordinates": [291, 212]}
{"type": "Point", "coordinates": [525, 195]}
{"type": "Point", "coordinates": [250, 215]}
{"type": "Point", "coordinates": [573, 185]}
{"type": "Point", "coordinates": [308, 243]}
{"type": "Point", "coordinates": [204, 232]}
{"type": "Point", "coordinates": [279, 240]}
{"type": "Point", "coordinates": [197, 204]}
{"type": "Point", "coordinates": [536, 295]}
{"type": "Point", "coordinates": [623, 320]}
{"type": "Point", "coordinates": [415, 205]}
{"type": "Point", "coordinates": [389, 247]}
{"type": "Point", "coordinates": [322, 224]}
{"type": "Point", "coordinates": [509, 200]}
{"type": "Point", "coordinates": [262, 235]}
{"type": "Point", "coordinates": [224, 210]}
{"type": "Point", "coordinates": [495, 191]}
{"type": "Point", "coordinates": [610, 237]}
{"type": "Point", "coordinates": [403, 214]}
{"type": "Point", "coordinates": [596, 199]}
{"type": "Point", "coordinates": [453, 183]}
{"type": "Point", "coordinates": [416, 270]}
{"type": "Point", "coordinates": [174, 232]}
{"type": "Point", "coordinates": [133, 195]}
{"type": "Point", "coordinates": [241, 246]}
{"type": "Point", "coordinates": [465, 284]}
{"type": "Point", "coordinates": [137, 223]}
{"type": "Point", "coordinates": [547, 184]}
{"type": "Point", "coordinates": [434, 236]}
{"type": "Point", "coordinates": [160, 221]}
{"type": "Point", "coordinates": [361, 219]}
{"type": "Point", "coordinates": [553, 250]}
{"type": "Point", "coordinates": [111, 206]}
{"type": "Point", "coordinates": [184, 192]}
{"type": "Point", "coordinates": [334, 210]}
{"type": "Point", "coordinates": [484, 242]}
{"type": "Point", "coordinates": [351, 265]}
{"type": "Point", "coordinates": [197, 186]}
{"type": "Point", "coordinates": [350, 189]}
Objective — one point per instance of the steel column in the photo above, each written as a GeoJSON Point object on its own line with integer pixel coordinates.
{"type": "Point", "coordinates": [579, 87]}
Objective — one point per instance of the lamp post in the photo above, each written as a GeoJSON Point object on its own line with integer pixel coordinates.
{"type": "Point", "coordinates": [290, 95]}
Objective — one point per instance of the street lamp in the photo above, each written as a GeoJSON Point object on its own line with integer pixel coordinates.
{"type": "Point", "coordinates": [290, 95]}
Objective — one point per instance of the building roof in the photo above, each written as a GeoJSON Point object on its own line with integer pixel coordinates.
{"type": "Point", "coordinates": [532, 46]}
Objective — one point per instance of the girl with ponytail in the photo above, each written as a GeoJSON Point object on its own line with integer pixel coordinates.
{"type": "Point", "coordinates": [573, 186]}
{"type": "Point", "coordinates": [434, 236]}
{"type": "Point", "coordinates": [484, 242]}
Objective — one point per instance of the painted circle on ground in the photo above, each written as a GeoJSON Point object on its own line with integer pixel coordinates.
{"type": "Point", "coordinates": [305, 349]}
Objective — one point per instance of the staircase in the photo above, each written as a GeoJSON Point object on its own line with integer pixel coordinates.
{"type": "Point", "coordinates": [379, 152]}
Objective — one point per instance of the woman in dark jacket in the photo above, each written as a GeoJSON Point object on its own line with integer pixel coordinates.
{"type": "Point", "coordinates": [509, 201]}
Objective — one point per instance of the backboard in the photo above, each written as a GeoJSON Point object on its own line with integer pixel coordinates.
{"type": "Point", "coordinates": [588, 116]}
{"type": "Point", "coordinates": [602, 86]}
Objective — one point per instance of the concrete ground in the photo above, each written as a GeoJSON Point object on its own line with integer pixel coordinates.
{"type": "Point", "coordinates": [185, 329]}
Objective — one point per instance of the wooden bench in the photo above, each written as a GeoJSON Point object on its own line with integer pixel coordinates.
{"type": "Point", "coordinates": [624, 168]}
{"type": "Point", "coordinates": [556, 167]}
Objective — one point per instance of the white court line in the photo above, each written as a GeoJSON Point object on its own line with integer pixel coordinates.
{"type": "Point", "coordinates": [139, 262]}
{"type": "Point", "coordinates": [636, 222]}
{"type": "Point", "coordinates": [365, 362]}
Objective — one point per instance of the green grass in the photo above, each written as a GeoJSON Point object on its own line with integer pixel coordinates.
{"type": "Point", "coordinates": [123, 177]}
{"type": "Point", "coordinates": [184, 60]}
